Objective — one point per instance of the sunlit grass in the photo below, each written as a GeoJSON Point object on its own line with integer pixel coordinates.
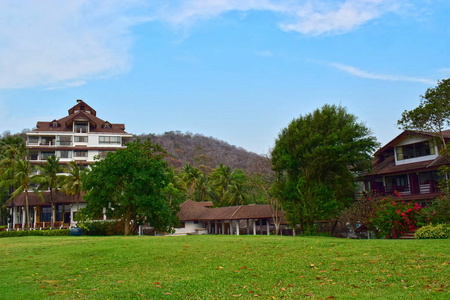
{"type": "Point", "coordinates": [222, 267]}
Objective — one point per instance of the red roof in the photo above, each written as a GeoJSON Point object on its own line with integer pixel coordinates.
{"type": "Point", "coordinates": [75, 113]}
{"type": "Point", "coordinates": [191, 210]}
{"type": "Point", "coordinates": [34, 200]}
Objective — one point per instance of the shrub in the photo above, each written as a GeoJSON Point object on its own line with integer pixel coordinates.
{"type": "Point", "coordinates": [358, 215]}
{"type": "Point", "coordinates": [107, 227]}
{"type": "Point", "coordinates": [437, 213]}
{"type": "Point", "coordinates": [391, 218]}
{"type": "Point", "coordinates": [440, 231]}
{"type": "Point", "coordinates": [56, 232]}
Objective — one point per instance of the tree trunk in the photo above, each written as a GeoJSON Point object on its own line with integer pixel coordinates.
{"type": "Point", "coordinates": [52, 221]}
{"type": "Point", "coordinates": [27, 215]}
{"type": "Point", "coordinates": [333, 227]}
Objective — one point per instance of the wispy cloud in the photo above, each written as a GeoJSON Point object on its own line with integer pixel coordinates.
{"type": "Point", "coordinates": [66, 85]}
{"type": "Point", "coordinates": [371, 75]}
{"type": "Point", "coordinates": [54, 42]}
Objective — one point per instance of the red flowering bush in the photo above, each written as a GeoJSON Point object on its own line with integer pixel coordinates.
{"type": "Point", "coordinates": [392, 218]}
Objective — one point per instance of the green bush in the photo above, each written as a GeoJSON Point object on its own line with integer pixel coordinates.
{"type": "Point", "coordinates": [57, 232]}
{"type": "Point", "coordinates": [436, 213]}
{"type": "Point", "coordinates": [97, 228]}
{"type": "Point", "coordinates": [440, 231]}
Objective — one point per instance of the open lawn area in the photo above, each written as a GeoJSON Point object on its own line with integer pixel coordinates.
{"type": "Point", "coordinates": [222, 267]}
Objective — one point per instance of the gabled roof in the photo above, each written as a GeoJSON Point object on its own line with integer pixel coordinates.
{"type": "Point", "coordinates": [408, 133]}
{"type": "Point", "coordinates": [34, 200]}
{"type": "Point", "coordinates": [82, 106]}
{"type": "Point", "coordinates": [76, 114]}
{"type": "Point", "coordinates": [191, 210]}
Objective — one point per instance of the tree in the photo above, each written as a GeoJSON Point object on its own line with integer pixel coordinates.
{"type": "Point", "coordinates": [48, 178]}
{"type": "Point", "coordinates": [191, 176]}
{"type": "Point", "coordinates": [133, 185]}
{"type": "Point", "coordinates": [433, 112]}
{"type": "Point", "coordinates": [71, 184]}
{"type": "Point", "coordinates": [22, 177]}
{"type": "Point", "coordinates": [316, 158]}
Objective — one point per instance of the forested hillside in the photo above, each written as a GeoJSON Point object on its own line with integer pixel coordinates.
{"type": "Point", "coordinates": [206, 153]}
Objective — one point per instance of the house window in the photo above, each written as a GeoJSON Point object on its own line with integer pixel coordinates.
{"type": "Point", "coordinates": [80, 153]}
{"type": "Point", "coordinates": [33, 139]}
{"type": "Point", "coordinates": [55, 125]}
{"type": "Point", "coordinates": [415, 150]}
{"type": "Point", "coordinates": [64, 154]}
{"type": "Point", "coordinates": [46, 214]}
{"type": "Point", "coordinates": [81, 127]}
{"type": "Point", "coordinates": [109, 139]}
{"type": "Point", "coordinates": [64, 140]}
{"type": "Point", "coordinates": [107, 126]}
{"type": "Point", "coordinates": [80, 139]}
{"type": "Point", "coordinates": [398, 183]}
{"type": "Point", "coordinates": [62, 213]}
{"type": "Point", "coordinates": [44, 155]}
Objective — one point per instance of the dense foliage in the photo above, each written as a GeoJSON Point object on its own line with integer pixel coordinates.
{"type": "Point", "coordinates": [394, 218]}
{"type": "Point", "coordinates": [133, 185]}
{"type": "Point", "coordinates": [440, 231]}
{"type": "Point", "coordinates": [316, 158]}
{"type": "Point", "coordinates": [433, 112]}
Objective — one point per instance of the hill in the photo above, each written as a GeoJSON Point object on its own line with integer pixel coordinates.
{"type": "Point", "coordinates": [206, 153]}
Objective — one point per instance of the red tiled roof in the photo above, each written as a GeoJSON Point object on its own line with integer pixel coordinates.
{"type": "Point", "coordinates": [34, 200]}
{"type": "Point", "coordinates": [191, 210]}
{"type": "Point", "coordinates": [66, 123]}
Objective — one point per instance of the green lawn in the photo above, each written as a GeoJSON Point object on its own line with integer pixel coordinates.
{"type": "Point", "coordinates": [222, 267]}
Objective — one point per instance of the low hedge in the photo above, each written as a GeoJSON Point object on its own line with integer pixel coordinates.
{"type": "Point", "coordinates": [101, 228]}
{"type": "Point", "coordinates": [16, 233]}
{"type": "Point", "coordinates": [440, 231]}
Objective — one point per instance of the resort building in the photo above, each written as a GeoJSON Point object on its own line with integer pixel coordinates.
{"type": "Point", "coordinates": [202, 218]}
{"type": "Point", "coordinates": [81, 137]}
{"type": "Point", "coordinates": [408, 167]}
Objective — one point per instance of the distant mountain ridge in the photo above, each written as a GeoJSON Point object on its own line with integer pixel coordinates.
{"type": "Point", "coordinates": [206, 153]}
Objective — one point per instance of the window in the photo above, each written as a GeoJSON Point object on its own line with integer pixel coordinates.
{"type": "Point", "coordinates": [64, 140]}
{"type": "Point", "coordinates": [399, 182]}
{"type": "Point", "coordinates": [44, 155]}
{"type": "Point", "coordinates": [33, 139]}
{"type": "Point", "coordinates": [81, 127]}
{"type": "Point", "coordinates": [415, 150]}
{"type": "Point", "coordinates": [107, 126]}
{"type": "Point", "coordinates": [80, 139]}
{"type": "Point", "coordinates": [109, 139]}
{"type": "Point", "coordinates": [46, 214]}
{"type": "Point", "coordinates": [63, 213]}
{"type": "Point", "coordinates": [64, 154]}
{"type": "Point", "coordinates": [80, 153]}
{"type": "Point", "coordinates": [55, 125]}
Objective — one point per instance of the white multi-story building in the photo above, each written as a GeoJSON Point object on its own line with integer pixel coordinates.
{"type": "Point", "coordinates": [80, 136]}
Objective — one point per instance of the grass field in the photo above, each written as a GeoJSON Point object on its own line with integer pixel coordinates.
{"type": "Point", "coordinates": [222, 267]}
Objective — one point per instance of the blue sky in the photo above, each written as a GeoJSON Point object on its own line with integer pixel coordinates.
{"type": "Point", "coordinates": [236, 70]}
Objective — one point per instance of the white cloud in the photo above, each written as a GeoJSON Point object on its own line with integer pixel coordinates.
{"type": "Point", "coordinates": [56, 44]}
{"type": "Point", "coordinates": [49, 42]}
{"type": "Point", "coordinates": [370, 75]}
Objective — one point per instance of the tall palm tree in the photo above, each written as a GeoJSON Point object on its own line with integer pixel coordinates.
{"type": "Point", "coordinates": [220, 179]}
{"type": "Point", "coordinates": [71, 183]}
{"type": "Point", "coordinates": [49, 179]}
{"type": "Point", "coordinates": [236, 193]}
{"type": "Point", "coordinates": [21, 177]}
{"type": "Point", "coordinates": [191, 176]}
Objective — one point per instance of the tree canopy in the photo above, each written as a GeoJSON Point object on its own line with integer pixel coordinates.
{"type": "Point", "coordinates": [433, 112]}
{"type": "Point", "coordinates": [316, 158]}
{"type": "Point", "coordinates": [133, 184]}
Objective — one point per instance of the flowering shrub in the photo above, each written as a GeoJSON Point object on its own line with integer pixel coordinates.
{"type": "Point", "coordinates": [437, 213]}
{"type": "Point", "coordinates": [392, 218]}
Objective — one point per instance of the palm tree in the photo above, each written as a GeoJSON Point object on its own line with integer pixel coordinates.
{"type": "Point", "coordinates": [71, 184]}
{"type": "Point", "coordinates": [20, 174]}
{"type": "Point", "coordinates": [49, 179]}
{"type": "Point", "coordinates": [191, 176]}
{"type": "Point", "coordinates": [220, 179]}
{"type": "Point", "coordinates": [236, 193]}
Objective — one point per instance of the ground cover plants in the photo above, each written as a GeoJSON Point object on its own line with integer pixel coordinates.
{"type": "Point", "coordinates": [222, 267]}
